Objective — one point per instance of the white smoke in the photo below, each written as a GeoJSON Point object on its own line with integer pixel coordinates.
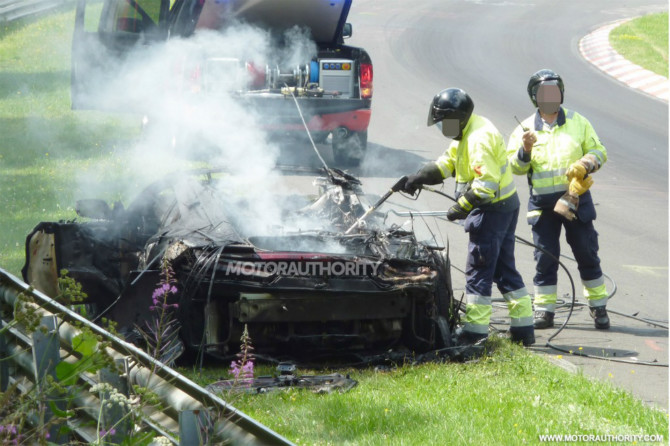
{"type": "Point", "coordinates": [185, 90]}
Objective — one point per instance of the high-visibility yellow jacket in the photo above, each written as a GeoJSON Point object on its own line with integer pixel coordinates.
{"type": "Point", "coordinates": [557, 147]}
{"type": "Point", "coordinates": [479, 161]}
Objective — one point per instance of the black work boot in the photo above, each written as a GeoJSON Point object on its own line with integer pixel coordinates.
{"type": "Point", "coordinates": [600, 317]}
{"type": "Point", "coordinates": [468, 345]}
{"type": "Point", "coordinates": [466, 338]}
{"type": "Point", "coordinates": [523, 335]}
{"type": "Point", "coordinates": [543, 319]}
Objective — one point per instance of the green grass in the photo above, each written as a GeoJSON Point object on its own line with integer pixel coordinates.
{"type": "Point", "coordinates": [508, 398]}
{"type": "Point", "coordinates": [50, 155]}
{"type": "Point", "coordinates": [644, 41]}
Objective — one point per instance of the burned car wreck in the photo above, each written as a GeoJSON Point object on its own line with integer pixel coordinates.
{"type": "Point", "coordinates": [303, 287]}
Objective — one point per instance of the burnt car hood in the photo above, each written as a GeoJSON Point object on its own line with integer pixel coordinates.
{"type": "Point", "coordinates": [325, 19]}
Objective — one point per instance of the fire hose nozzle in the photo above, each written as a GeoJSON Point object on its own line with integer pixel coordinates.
{"type": "Point", "coordinates": [400, 184]}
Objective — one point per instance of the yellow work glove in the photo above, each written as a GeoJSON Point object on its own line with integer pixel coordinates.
{"type": "Point", "coordinates": [576, 170]}
{"type": "Point", "coordinates": [578, 187]}
{"type": "Point", "coordinates": [586, 165]}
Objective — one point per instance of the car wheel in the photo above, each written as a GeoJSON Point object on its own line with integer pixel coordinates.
{"type": "Point", "coordinates": [433, 319]}
{"type": "Point", "coordinates": [447, 314]}
{"type": "Point", "coordinates": [319, 137]}
{"type": "Point", "coordinates": [349, 147]}
{"type": "Point", "coordinates": [442, 333]}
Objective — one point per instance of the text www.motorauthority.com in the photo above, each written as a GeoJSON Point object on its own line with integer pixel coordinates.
{"type": "Point", "coordinates": [591, 438]}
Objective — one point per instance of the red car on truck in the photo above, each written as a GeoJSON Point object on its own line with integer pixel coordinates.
{"type": "Point", "coordinates": [333, 86]}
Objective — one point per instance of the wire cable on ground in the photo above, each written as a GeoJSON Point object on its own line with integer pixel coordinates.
{"type": "Point", "coordinates": [574, 304]}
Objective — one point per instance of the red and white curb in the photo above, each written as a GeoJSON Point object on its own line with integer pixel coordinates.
{"type": "Point", "coordinates": [596, 49]}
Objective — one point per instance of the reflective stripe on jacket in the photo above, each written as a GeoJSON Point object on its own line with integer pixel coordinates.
{"type": "Point", "coordinates": [479, 161]}
{"type": "Point", "coordinates": [556, 149]}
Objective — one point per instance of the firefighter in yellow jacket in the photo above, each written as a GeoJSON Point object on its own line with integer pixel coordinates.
{"type": "Point", "coordinates": [488, 201]}
{"type": "Point", "coordinates": [558, 150]}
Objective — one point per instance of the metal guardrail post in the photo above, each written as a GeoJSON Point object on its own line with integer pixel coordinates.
{"type": "Point", "coordinates": [4, 361]}
{"type": "Point", "coordinates": [46, 349]}
{"type": "Point", "coordinates": [117, 378]}
{"type": "Point", "coordinates": [46, 356]}
{"type": "Point", "coordinates": [195, 427]}
{"type": "Point", "coordinates": [115, 418]}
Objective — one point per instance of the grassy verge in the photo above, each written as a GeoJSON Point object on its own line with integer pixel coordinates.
{"type": "Point", "coordinates": [46, 150]}
{"type": "Point", "coordinates": [644, 41]}
{"type": "Point", "coordinates": [50, 154]}
{"type": "Point", "coordinates": [509, 397]}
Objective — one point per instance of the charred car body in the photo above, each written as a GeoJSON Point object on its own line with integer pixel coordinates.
{"type": "Point", "coordinates": [333, 86]}
{"type": "Point", "coordinates": [299, 289]}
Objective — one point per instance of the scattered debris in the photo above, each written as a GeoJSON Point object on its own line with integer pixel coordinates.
{"type": "Point", "coordinates": [286, 378]}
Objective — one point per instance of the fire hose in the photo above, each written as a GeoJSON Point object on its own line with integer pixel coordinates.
{"type": "Point", "coordinates": [573, 302]}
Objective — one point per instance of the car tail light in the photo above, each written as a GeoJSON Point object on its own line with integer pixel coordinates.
{"type": "Point", "coordinates": [257, 76]}
{"type": "Point", "coordinates": [366, 80]}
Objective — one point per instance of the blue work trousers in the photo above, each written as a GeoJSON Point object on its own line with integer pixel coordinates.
{"type": "Point", "coordinates": [582, 238]}
{"type": "Point", "coordinates": [491, 252]}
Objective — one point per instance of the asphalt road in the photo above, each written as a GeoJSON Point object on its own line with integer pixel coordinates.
{"type": "Point", "coordinates": [490, 48]}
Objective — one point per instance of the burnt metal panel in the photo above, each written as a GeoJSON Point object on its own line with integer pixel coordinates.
{"type": "Point", "coordinates": [268, 308]}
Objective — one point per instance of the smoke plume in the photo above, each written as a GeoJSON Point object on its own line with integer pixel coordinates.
{"type": "Point", "coordinates": [185, 92]}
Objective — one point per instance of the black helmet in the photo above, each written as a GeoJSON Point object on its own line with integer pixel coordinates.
{"type": "Point", "coordinates": [543, 76]}
{"type": "Point", "coordinates": [452, 103]}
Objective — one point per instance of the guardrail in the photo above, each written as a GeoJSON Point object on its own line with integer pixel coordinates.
{"type": "Point", "coordinates": [192, 413]}
{"type": "Point", "coordinates": [16, 9]}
